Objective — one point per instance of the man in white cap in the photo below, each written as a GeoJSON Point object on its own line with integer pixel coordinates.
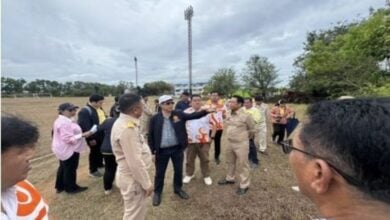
{"type": "Point", "coordinates": [167, 140]}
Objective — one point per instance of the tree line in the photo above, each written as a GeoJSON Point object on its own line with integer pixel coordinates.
{"type": "Point", "coordinates": [11, 86]}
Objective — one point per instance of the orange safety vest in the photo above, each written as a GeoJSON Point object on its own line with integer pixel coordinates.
{"type": "Point", "coordinates": [30, 203]}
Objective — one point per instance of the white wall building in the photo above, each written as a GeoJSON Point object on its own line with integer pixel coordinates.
{"type": "Point", "coordinates": [197, 88]}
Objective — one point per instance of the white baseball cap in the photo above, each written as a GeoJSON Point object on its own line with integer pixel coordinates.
{"type": "Point", "coordinates": [164, 98]}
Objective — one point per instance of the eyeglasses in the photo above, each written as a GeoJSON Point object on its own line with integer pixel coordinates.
{"type": "Point", "coordinates": [287, 147]}
{"type": "Point", "coordinates": [168, 103]}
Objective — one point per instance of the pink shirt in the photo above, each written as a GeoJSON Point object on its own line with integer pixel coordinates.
{"type": "Point", "coordinates": [66, 138]}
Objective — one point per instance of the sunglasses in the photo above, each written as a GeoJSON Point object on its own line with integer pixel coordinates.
{"type": "Point", "coordinates": [168, 103]}
{"type": "Point", "coordinates": [287, 147]}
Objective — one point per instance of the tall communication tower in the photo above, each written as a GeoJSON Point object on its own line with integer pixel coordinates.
{"type": "Point", "coordinates": [188, 14]}
{"type": "Point", "coordinates": [136, 72]}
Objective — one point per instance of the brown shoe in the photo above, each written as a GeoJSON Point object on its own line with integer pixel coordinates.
{"type": "Point", "coordinates": [225, 182]}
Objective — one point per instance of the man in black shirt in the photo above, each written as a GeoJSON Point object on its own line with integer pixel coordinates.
{"type": "Point", "coordinates": [184, 102]}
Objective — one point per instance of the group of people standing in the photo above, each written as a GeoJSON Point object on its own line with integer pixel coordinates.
{"type": "Point", "coordinates": [127, 139]}
{"type": "Point", "coordinates": [343, 171]}
{"type": "Point", "coordinates": [68, 141]}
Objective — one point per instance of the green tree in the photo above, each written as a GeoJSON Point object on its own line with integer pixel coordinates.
{"type": "Point", "coordinates": [157, 88]}
{"type": "Point", "coordinates": [223, 81]}
{"type": "Point", "coordinates": [378, 43]}
{"type": "Point", "coordinates": [122, 87]}
{"type": "Point", "coordinates": [260, 75]}
{"type": "Point", "coordinates": [344, 60]}
{"type": "Point", "coordinates": [54, 88]}
{"type": "Point", "coordinates": [12, 86]}
{"type": "Point", "coordinates": [32, 87]}
{"type": "Point", "coordinates": [67, 88]}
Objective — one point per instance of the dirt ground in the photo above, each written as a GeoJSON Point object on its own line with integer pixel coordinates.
{"type": "Point", "coordinates": [270, 195]}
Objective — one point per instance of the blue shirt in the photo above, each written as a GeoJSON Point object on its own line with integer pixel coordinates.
{"type": "Point", "coordinates": [182, 105]}
{"type": "Point", "coordinates": [168, 135]}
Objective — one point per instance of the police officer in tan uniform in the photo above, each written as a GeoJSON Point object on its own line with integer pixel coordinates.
{"type": "Point", "coordinates": [240, 128]}
{"type": "Point", "coordinates": [133, 157]}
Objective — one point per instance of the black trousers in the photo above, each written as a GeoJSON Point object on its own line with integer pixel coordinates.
{"type": "Point", "coordinates": [253, 152]}
{"type": "Point", "coordinates": [162, 158]}
{"type": "Point", "coordinates": [66, 173]}
{"type": "Point", "coordinates": [217, 144]}
{"type": "Point", "coordinates": [95, 158]}
{"type": "Point", "coordinates": [109, 171]}
{"type": "Point", "coordinates": [279, 131]}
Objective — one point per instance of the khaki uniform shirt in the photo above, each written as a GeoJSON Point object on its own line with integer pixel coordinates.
{"type": "Point", "coordinates": [240, 126]}
{"type": "Point", "coordinates": [145, 120]}
{"type": "Point", "coordinates": [130, 149]}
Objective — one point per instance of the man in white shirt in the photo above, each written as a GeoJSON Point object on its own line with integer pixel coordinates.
{"type": "Point", "coordinates": [198, 141]}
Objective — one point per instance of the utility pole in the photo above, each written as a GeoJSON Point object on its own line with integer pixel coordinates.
{"type": "Point", "coordinates": [188, 14]}
{"type": "Point", "coordinates": [136, 72]}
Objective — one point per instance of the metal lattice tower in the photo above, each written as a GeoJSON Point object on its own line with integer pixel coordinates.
{"type": "Point", "coordinates": [188, 14]}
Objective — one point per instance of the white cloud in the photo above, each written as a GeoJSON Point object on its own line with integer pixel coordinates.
{"type": "Point", "coordinates": [96, 40]}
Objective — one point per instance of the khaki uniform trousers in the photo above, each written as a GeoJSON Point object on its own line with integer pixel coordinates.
{"type": "Point", "coordinates": [201, 150]}
{"type": "Point", "coordinates": [237, 160]}
{"type": "Point", "coordinates": [133, 196]}
{"type": "Point", "coordinates": [261, 136]}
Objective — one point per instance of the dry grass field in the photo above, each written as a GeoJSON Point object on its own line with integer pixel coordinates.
{"type": "Point", "coordinates": [270, 195]}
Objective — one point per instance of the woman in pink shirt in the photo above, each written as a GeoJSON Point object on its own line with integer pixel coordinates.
{"type": "Point", "coordinates": [68, 142]}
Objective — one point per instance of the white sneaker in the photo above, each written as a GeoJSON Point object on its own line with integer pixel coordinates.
{"type": "Point", "coordinates": [188, 179]}
{"type": "Point", "coordinates": [208, 181]}
{"type": "Point", "coordinates": [107, 192]}
{"type": "Point", "coordinates": [295, 188]}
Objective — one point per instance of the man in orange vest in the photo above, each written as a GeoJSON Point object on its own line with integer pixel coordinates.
{"type": "Point", "coordinates": [19, 198]}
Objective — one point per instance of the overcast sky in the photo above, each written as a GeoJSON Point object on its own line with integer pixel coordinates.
{"type": "Point", "coordinates": [96, 40]}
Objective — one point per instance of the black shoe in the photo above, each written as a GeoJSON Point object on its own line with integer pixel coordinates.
{"type": "Point", "coordinates": [225, 182]}
{"type": "Point", "coordinates": [217, 161]}
{"type": "Point", "coordinates": [156, 199]}
{"type": "Point", "coordinates": [242, 191]}
{"type": "Point", "coordinates": [78, 190]}
{"type": "Point", "coordinates": [182, 194]}
{"type": "Point", "coordinates": [254, 165]}
{"type": "Point", "coordinates": [95, 174]}
{"type": "Point", "coordinates": [59, 191]}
